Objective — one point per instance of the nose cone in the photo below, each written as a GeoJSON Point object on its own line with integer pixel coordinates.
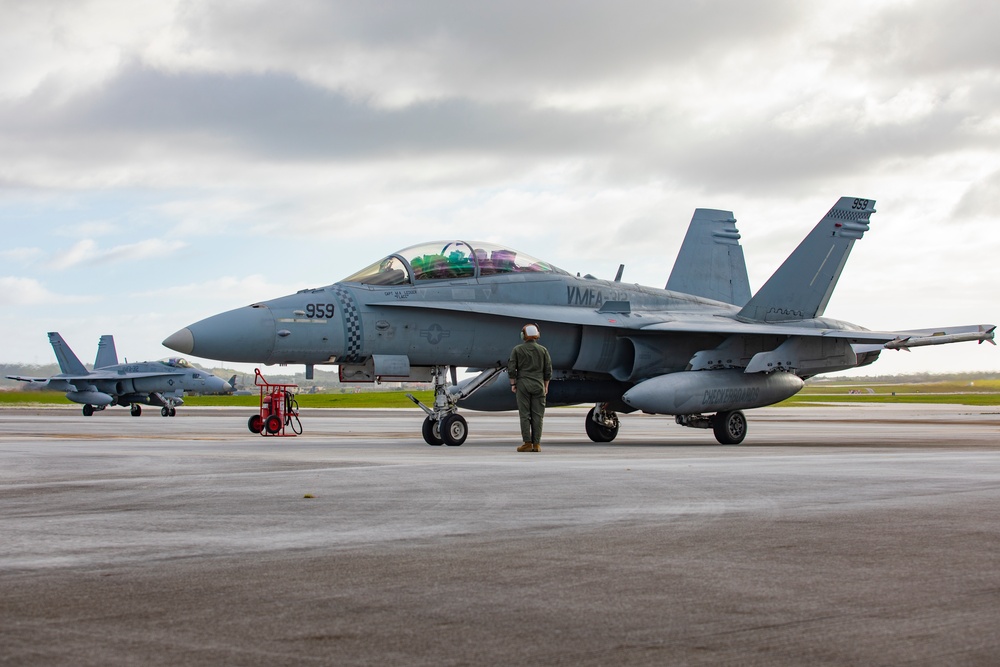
{"type": "Point", "coordinates": [217, 385]}
{"type": "Point", "coordinates": [244, 334]}
{"type": "Point", "coordinates": [181, 341]}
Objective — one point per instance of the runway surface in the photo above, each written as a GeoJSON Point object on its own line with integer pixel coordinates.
{"type": "Point", "coordinates": [836, 535]}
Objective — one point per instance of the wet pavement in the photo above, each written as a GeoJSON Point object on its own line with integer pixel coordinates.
{"type": "Point", "coordinates": [835, 535]}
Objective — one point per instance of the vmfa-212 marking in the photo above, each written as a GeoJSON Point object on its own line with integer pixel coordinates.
{"type": "Point", "coordinates": [702, 349]}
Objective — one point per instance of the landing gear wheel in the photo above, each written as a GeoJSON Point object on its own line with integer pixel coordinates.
{"type": "Point", "coordinates": [164, 411]}
{"type": "Point", "coordinates": [730, 427]}
{"type": "Point", "coordinates": [432, 432]}
{"type": "Point", "coordinates": [600, 432]}
{"type": "Point", "coordinates": [173, 412]}
{"type": "Point", "coordinates": [135, 410]}
{"type": "Point", "coordinates": [273, 424]}
{"type": "Point", "coordinates": [255, 424]}
{"type": "Point", "coordinates": [88, 410]}
{"type": "Point", "coordinates": [454, 430]}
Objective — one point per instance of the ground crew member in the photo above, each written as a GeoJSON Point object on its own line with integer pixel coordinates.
{"type": "Point", "coordinates": [530, 369]}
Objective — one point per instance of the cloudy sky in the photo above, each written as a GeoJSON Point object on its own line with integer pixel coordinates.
{"type": "Point", "coordinates": [163, 161]}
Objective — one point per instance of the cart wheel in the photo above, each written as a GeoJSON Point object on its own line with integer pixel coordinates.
{"type": "Point", "coordinates": [273, 424]}
{"type": "Point", "coordinates": [255, 424]}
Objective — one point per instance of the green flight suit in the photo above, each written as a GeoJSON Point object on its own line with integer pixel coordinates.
{"type": "Point", "coordinates": [530, 367]}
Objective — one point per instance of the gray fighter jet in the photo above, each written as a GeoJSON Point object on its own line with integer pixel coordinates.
{"type": "Point", "coordinates": [702, 349]}
{"type": "Point", "coordinates": [161, 383]}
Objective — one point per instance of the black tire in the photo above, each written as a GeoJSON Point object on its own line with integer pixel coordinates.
{"type": "Point", "coordinates": [454, 430]}
{"type": "Point", "coordinates": [599, 432]}
{"type": "Point", "coordinates": [173, 412]}
{"type": "Point", "coordinates": [730, 427]}
{"type": "Point", "coordinates": [255, 424]}
{"type": "Point", "coordinates": [135, 410]}
{"type": "Point", "coordinates": [432, 432]}
{"type": "Point", "coordinates": [272, 424]}
{"type": "Point", "coordinates": [88, 410]}
{"type": "Point", "coordinates": [164, 411]}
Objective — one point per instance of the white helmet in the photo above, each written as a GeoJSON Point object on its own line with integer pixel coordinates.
{"type": "Point", "coordinates": [530, 332]}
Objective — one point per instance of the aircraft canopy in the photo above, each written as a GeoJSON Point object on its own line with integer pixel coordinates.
{"type": "Point", "coordinates": [448, 260]}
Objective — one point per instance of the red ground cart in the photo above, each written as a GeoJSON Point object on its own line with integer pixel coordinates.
{"type": "Point", "coordinates": [278, 409]}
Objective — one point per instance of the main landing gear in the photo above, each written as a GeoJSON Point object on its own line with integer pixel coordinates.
{"type": "Point", "coordinates": [166, 411]}
{"type": "Point", "coordinates": [169, 408]}
{"type": "Point", "coordinates": [601, 423]}
{"type": "Point", "coordinates": [729, 427]}
{"type": "Point", "coordinates": [443, 425]}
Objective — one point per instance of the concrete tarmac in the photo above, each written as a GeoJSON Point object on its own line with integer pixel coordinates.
{"type": "Point", "coordinates": [860, 535]}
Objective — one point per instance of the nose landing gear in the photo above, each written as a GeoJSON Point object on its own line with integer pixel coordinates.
{"type": "Point", "coordinates": [443, 425]}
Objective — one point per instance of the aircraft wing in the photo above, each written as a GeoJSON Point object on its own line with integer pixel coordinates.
{"type": "Point", "coordinates": [20, 378]}
{"type": "Point", "coordinates": [724, 325]}
{"type": "Point", "coordinates": [607, 316]}
{"type": "Point", "coordinates": [922, 337]}
{"type": "Point", "coordinates": [114, 375]}
{"type": "Point", "coordinates": [863, 340]}
{"type": "Point", "coordinates": [55, 383]}
{"type": "Point", "coordinates": [615, 314]}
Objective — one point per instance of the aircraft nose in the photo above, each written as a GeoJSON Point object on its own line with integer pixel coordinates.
{"type": "Point", "coordinates": [181, 341]}
{"type": "Point", "coordinates": [243, 334]}
{"type": "Point", "coordinates": [218, 385]}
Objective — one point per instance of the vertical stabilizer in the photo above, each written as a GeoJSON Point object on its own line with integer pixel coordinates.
{"type": "Point", "coordinates": [801, 287]}
{"type": "Point", "coordinates": [710, 262]}
{"type": "Point", "coordinates": [68, 362]}
{"type": "Point", "coordinates": [106, 353]}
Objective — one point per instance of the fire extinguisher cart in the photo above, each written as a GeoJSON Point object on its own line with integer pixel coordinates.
{"type": "Point", "coordinates": [278, 409]}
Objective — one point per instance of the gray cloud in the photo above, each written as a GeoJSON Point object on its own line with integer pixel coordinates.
{"type": "Point", "coordinates": [473, 47]}
{"type": "Point", "coordinates": [329, 133]}
{"type": "Point", "coordinates": [306, 83]}
{"type": "Point", "coordinates": [278, 117]}
{"type": "Point", "coordinates": [927, 39]}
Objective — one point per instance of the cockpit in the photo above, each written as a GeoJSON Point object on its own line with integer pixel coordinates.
{"type": "Point", "coordinates": [449, 260]}
{"type": "Point", "coordinates": [177, 362]}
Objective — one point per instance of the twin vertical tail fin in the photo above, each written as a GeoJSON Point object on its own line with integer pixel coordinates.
{"type": "Point", "coordinates": [106, 353]}
{"type": "Point", "coordinates": [710, 262]}
{"type": "Point", "coordinates": [68, 362]}
{"type": "Point", "coordinates": [801, 287]}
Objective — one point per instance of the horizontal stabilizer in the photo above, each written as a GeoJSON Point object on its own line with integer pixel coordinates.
{"type": "Point", "coordinates": [710, 263]}
{"type": "Point", "coordinates": [801, 287]}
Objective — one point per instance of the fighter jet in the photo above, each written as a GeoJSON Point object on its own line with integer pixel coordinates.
{"type": "Point", "coordinates": [161, 383]}
{"type": "Point", "coordinates": [701, 349]}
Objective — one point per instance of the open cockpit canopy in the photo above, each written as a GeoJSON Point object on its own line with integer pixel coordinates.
{"type": "Point", "coordinates": [448, 260]}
